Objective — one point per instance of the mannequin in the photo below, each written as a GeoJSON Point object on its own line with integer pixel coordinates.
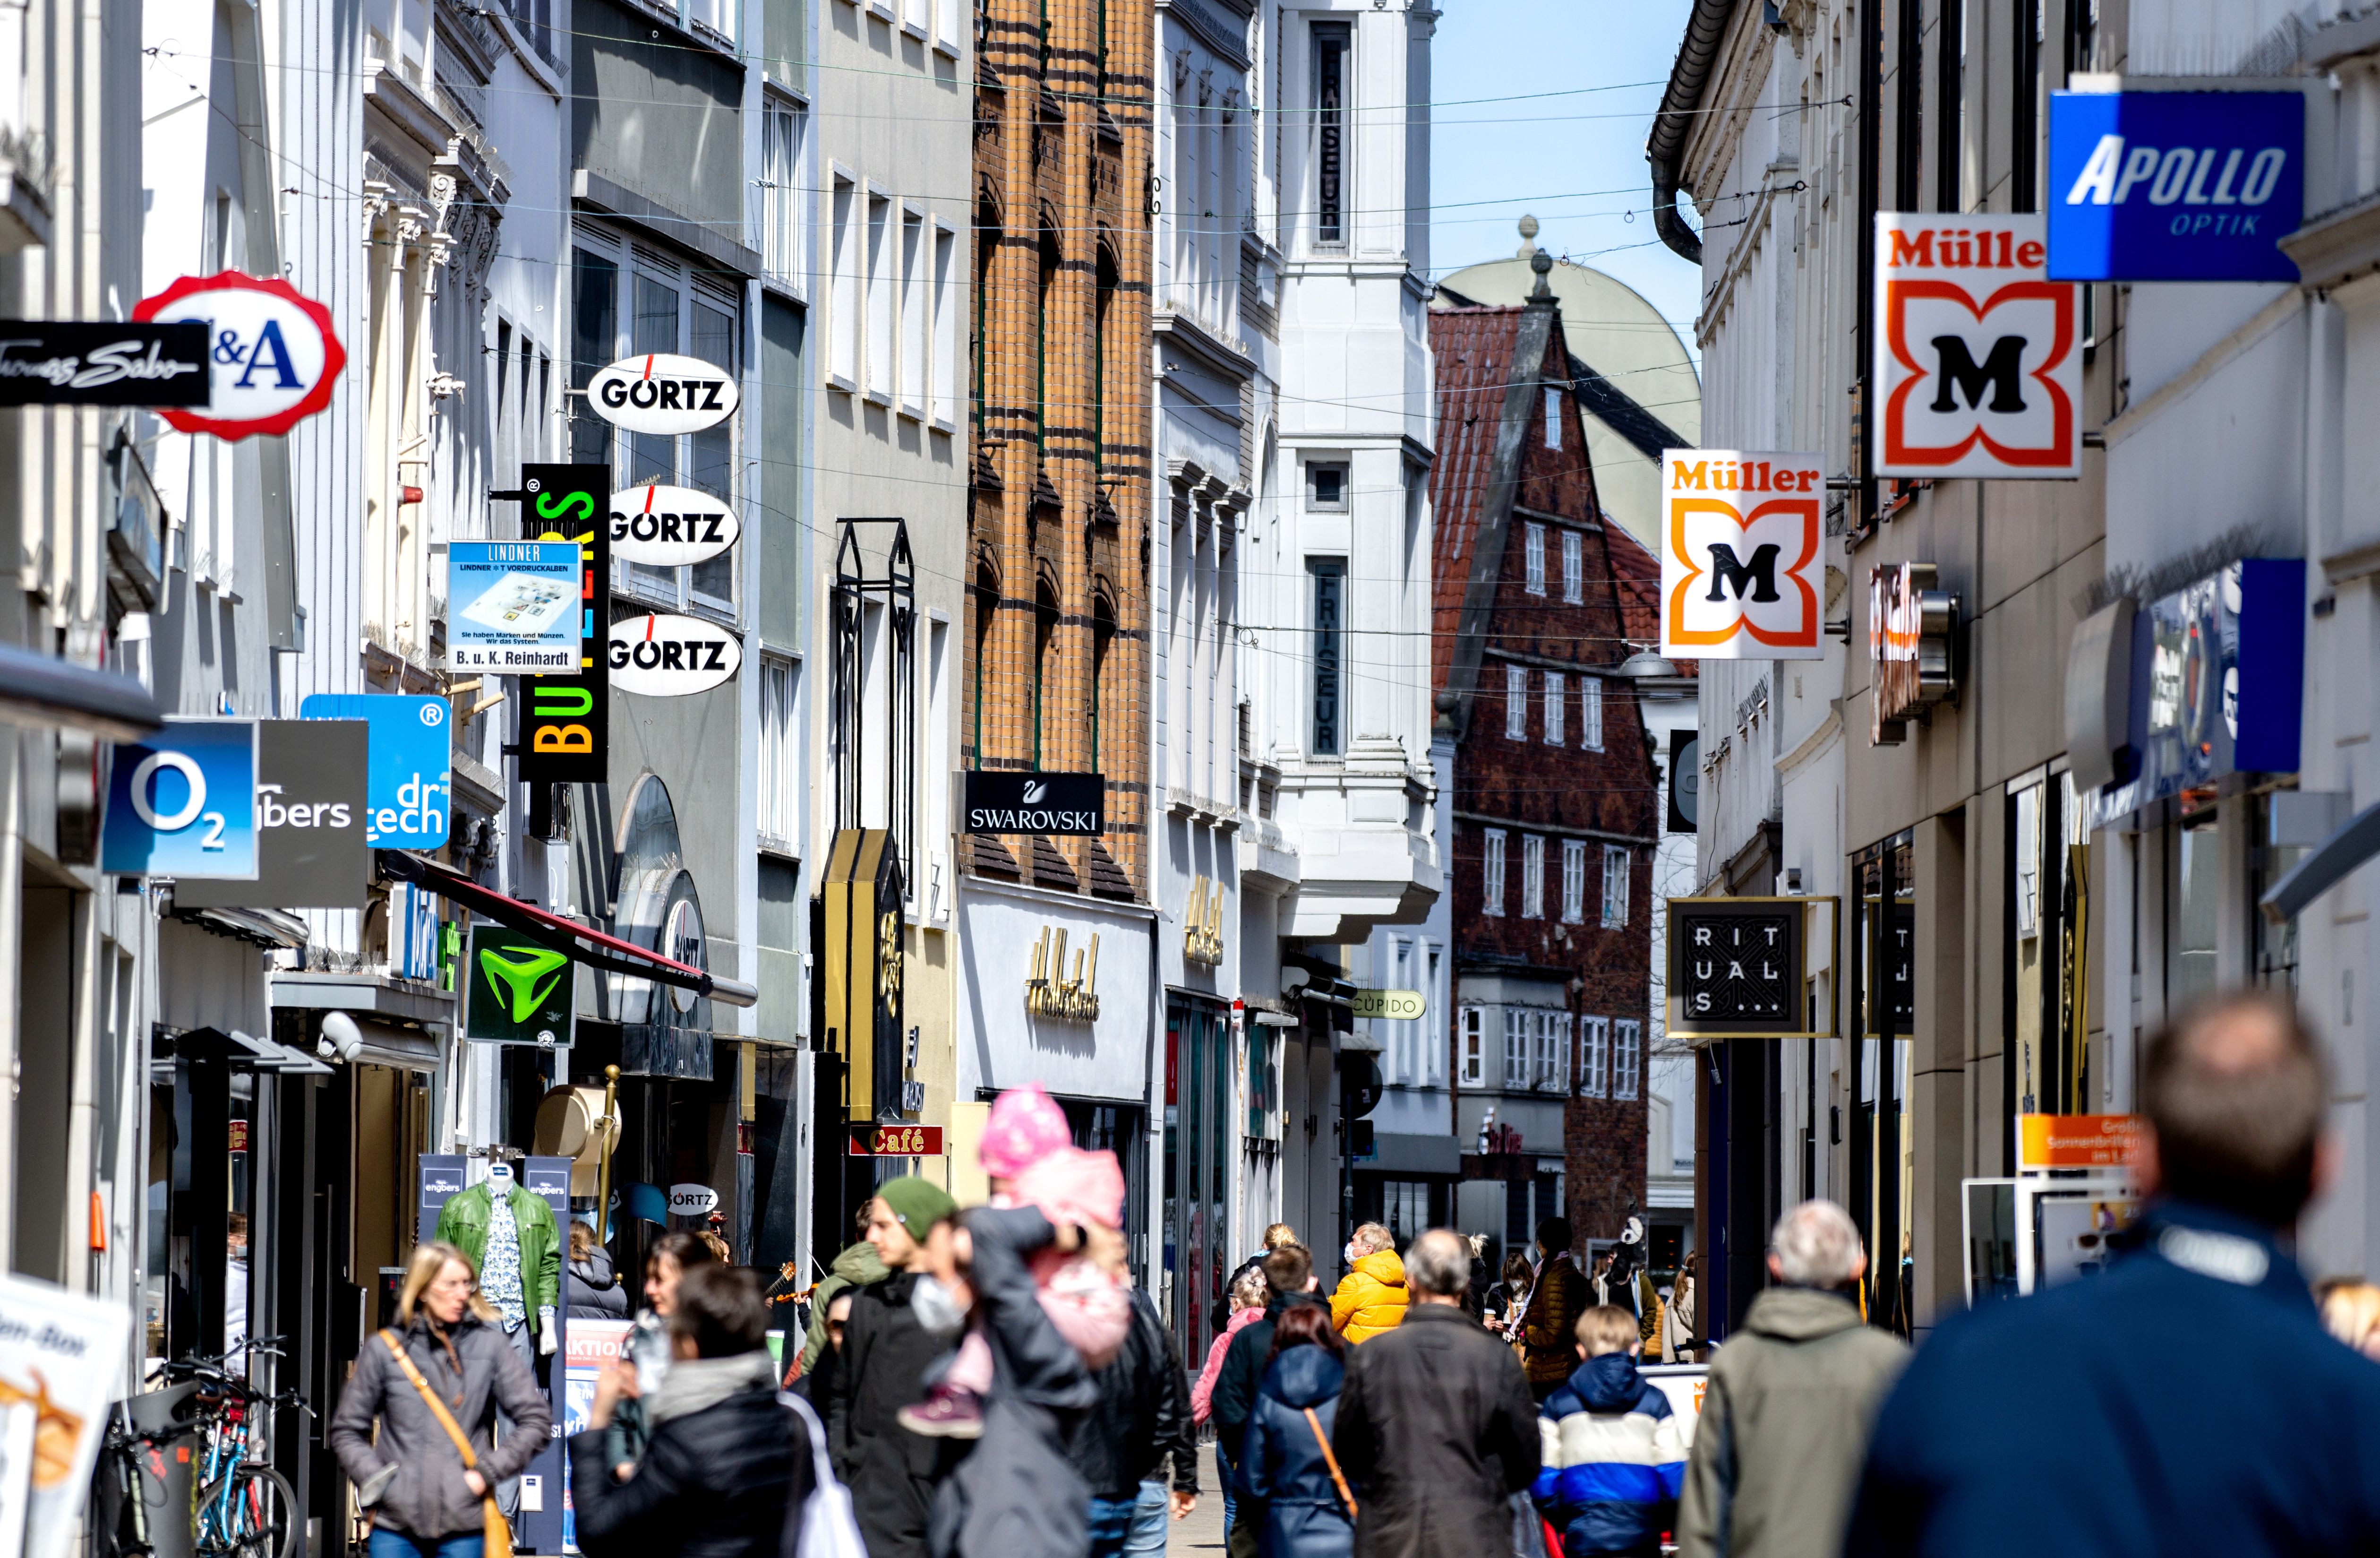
{"type": "Point", "coordinates": [510, 1236]}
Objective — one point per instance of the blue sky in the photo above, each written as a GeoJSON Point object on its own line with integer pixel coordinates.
{"type": "Point", "coordinates": [1576, 162]}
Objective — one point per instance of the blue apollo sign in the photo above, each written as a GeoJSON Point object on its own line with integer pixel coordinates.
{"type": "Point", "coordinates": [2175, 186]}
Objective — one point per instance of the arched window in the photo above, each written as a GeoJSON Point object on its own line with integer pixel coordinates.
{"type": "Point", "coordinates": [1045, 661]}
{"type": "Point", "coordinates": [986, 604]}
{"type": "Point", "coordinates": [1101, 335]}
{"type": "Point", "coordinates": [1103, 627]}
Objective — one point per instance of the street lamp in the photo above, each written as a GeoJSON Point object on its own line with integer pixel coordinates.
{"type": "Point", "coordinates": [1646, 664]}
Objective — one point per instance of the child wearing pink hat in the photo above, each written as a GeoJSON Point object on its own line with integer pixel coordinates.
{"type": "Point", "coordinates": [1028, 1153]}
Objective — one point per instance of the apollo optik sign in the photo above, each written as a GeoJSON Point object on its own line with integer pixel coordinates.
{"type": "Point", "coordinates": [2154, 185]}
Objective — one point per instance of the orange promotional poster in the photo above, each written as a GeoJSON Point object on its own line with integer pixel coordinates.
{"type": "Point", "coordinates": [1978, 353]}
{"type": "Point", "coordinates": [2074, 1141]}
{"type": "Point", "coordinates": [1743, 546]}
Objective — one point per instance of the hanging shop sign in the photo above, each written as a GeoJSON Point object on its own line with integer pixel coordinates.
{"type": "Point", "coordinates": [512, 607]}
{"type": "Point", "coordinates": [182, 803]}
{"type": "Point", "coordinates": [2152, 186]}
{"type": "Point", "coordinates": [2070, 1141]}
{"type": "Point", "coordinates": [1057, 804]}
{"type": "Point", "coordinates": [1978, 354]}
{"type": "Point", "coordinates": [1738, 966]}
{"type": "Point", "coordinates": [1912, 633]}
{"type": "Point", "coordinates": [1398, 1005]}
{"type": "Point", "coordinates": [1049, 992]}
{"type": "Point", "coordinates": [665, 654]}
{"type": "Point", "coordinates": [662, 393]}
{"type": "Point", "coordinates": [310, 851]}
{"type": "Point", "coordinates": [521, 990]}
{"type": "Point", "coordinates": [692, 1200]}
{"type": "Point", "coordinates": [866, 936]}
{"type": "Point", "coordinates": [1741, 545]}
{"type": "Point", "coordinates": [671, 527]}
{"type": "Point", "coordinates": [408, 768]}
{"type": "Point", "coordinates": [77, 362]}
{"type": "Point", "coordinates": [1202, 923]}
{"type": "Point", "coordinates": [270, 350]}
{"type": "Point", "coordinates": [566, 730]}
{"type": "Point", "coordinates": [896, 1141]}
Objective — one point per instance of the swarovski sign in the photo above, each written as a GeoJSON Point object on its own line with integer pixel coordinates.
{"type": "Point", "coordinates": [1059, 805]}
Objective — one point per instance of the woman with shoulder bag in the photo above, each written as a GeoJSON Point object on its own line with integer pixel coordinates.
{"type": "Point", "coordinates": [1289, 1483]}
{"type": "Point", "coordinates": [434, 1382]}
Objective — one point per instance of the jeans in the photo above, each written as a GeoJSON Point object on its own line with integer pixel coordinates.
{"type": "Point", "coordinates": [397, 1544]}
{"type": "Point", "coordinates": [1224, 1475]}
{"type": "Point", "coordinates": [1112, 1523]}
{"type": "Point", "coordinates": [1149, 1520]}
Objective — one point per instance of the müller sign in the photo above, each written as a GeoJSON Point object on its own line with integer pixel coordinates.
{"type": "Point", "coordinates": [1062, 805]}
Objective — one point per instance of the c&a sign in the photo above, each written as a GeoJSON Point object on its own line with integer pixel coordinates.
{"type": "Point", "coordinates": [1978, 364]}
{"type": "Point", "coordinates": [271, 354]}
{"type": "Point", "coordinates": [1741, 555]}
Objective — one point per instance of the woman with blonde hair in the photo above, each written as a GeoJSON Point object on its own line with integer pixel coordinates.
{"type": "Point", "coordinates": [441, 1373]}
{"type": "Point", "coordinates": [2350, 1311]}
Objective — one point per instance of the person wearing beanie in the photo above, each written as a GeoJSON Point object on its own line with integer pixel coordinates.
{"type": "Point", "coordinates": [899, 1329]}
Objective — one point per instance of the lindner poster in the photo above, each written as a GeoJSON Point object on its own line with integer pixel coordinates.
{"type": "Point", "coordinates": [512, 607]}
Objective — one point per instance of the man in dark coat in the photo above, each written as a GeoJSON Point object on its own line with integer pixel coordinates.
{"type": "Point", "coordinates": [1437, 1428]}
{"type": "Point", "coordinates": [2186, 1400]}
{"type": "Point", "coordinates": [1288, 1272]}
{"type": "Point", "coordinates": [720, 1473]}
{"type": "Point", "coordinates": [887, 1351]}
{"type": "Point", "coordinates": [1140, 1420]}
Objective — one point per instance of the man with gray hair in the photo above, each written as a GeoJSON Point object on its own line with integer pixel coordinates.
{"type": "Point", "coordinates": [1436, 1425]}
{"type": "Point", "coordinates": [1787, 1409]}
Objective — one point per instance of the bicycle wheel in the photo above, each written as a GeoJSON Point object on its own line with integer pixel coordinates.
{"type": "Point", "coordinates": [259, 1518]}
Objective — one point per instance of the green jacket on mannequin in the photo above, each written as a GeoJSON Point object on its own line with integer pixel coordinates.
{"type": "Point", "coordinates": [463, 1223]}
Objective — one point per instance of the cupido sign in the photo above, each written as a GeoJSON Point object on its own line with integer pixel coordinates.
{"type": "Point", "coordinates": [671, 527]}
{"type": "Point", "coordinates": [662, 393]}
{"type": "Point", "coordinates": [668, 655]}
{"type": "Point", "coordinates": [1742, 538]}
{"type": "Point", "coordinates": [271, 352]}
{"type": "Point", "coordinates": [2154, 185]}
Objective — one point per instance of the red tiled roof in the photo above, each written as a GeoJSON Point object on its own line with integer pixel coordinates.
{"type": "Point", "coordinates": [1473, 348]}
{"type": "Point", "coordinates": [1638, 573]}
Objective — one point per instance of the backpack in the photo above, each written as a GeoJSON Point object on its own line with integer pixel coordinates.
{"type": "Point", "coordinates": [825, 1527]}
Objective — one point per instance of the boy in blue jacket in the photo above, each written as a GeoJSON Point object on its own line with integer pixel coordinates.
{"type": "Point", "coordinates": [1614, 1454]}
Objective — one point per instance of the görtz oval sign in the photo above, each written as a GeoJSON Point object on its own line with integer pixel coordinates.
{"type": "Point", "coordinates": [667, 655]}
{"type": "Point", "coordinates": [271, 355]}
{"type": "Point", "coordinates": [662, 393]}
{"type": "Point", "coordinates": [670, 527]}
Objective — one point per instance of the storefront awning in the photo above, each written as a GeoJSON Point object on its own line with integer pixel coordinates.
{"type": "Point", "coordinates": [50, 693]}
{"type": "Point", "coordinates": [581, 944]}
{"type": "Point", "coordinates": [2325, 867]}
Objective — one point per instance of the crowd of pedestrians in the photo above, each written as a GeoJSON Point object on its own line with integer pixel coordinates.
{"type": "Point", "coordinates": [987, 1382]}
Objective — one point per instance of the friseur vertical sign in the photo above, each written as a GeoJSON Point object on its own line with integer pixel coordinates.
{"type": "Point", "coordinates": [2157, 186]}
{"type": "Point", "coordinates": [566, 732]}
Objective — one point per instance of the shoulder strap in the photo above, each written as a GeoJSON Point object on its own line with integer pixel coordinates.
{"type": "Point", "coordinates": [1332, 1461]}
{"type": "Point", "coordinates": [430, 1398]}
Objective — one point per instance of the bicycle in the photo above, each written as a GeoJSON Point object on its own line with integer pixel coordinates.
{"type": "Point", "coordinates": [238, 1508]}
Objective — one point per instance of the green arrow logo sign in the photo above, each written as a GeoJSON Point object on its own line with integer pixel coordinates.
{"type": "Point", "coordinates": [515, 977]}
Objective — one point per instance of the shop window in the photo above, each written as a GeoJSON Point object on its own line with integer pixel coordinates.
{"type": "Point", "coordinates": [1491, 872]}
{"type": "Point", "coordinates": [1881, 1149]}
{"type": "Point", "coordinates": [1615, 885]}
{"type": "Point", "coordinates": [1627, 1050]}
{"type": "Point", "coordinates": [1594, 1056]}
{"type": "Point", "coordinates": [1557, 696]}
{"type": "Point", "coordinates": [1471, 1042]}
{"type": "Point", "coordinates": [1573, 544]}
{"type": "Point", "coordinates": [1264, 1082]}
{"type": "Point", "coordinates": [1516, 703]}
{"type": "Point", "coordinates": [1590, 713]}
{"type": "Point", "coordinates": [1406, 1209]}
{"type": "Point", "coordinates": [2046, 1069]}
{"type": "Point", "coordinates": [1533, 554]}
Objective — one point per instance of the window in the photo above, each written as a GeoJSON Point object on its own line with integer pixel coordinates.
{"type": "Point", "coordinates": [1590, 713]}
{"type": "Point", "coordinates": [946, 330]}
{"type": "Point", "coordinates": [1532, 876]}
{"type": "Point", "coordinates": [1573, 881]}
{"type": "Point", "coordinates": [1553, 418]}
{"type": "Point", "coordinates": [1520, 1027]}
{"type": "Point", "coordinates": [1330, 611]}
{"type": "Point", "coordinates": [1593, 1055]}
{"type": "Point", "coordinates": [714, 16]}
{"type": "Point", "coordinates": [1573, 566]}
{"type": "Point", "coordinates": [1557, 694]}
{"type": "Point", "coordinates": [1471, 1036]}
{"type": "Point", "coordinates": [843, 281]}
{"type": "Point", "coordinates": [1516, 703]}
{"type": "Point", "coordinates": [1329, 132]}
{"type": "Point", "coordinates": [1326, 488]}
{"type": "Point", "coordinates": [1491, 872]}
{"type": "Point", "coordinates": [1401, 1061]}
{"type": "Point", "coordinates": [781, 904]}
{"type": "Point", "coordinates": [915, 315]}
{"type": "Point", "coordinates": [594, 342]}
{"type": "Point", "coordinates": [946, 25]}
{"type": "Point", "coordinates": [778, 769]}
{"type": "Point", "coordinates": [1534, 544]}
{"type": "Point", "coordinates": [877, 362]}
{"type": "Point", "coordinates": [1627, 1043]}
{"type": "Point", "coordinates": [1550, 1073]}
{"type": "Point", "coordinates": [711, 454]}
{"type": "Point", "coordinates": [782, 208]}
{"type": "Point", "coordinates": [1431, 997]}
{"type": "Point", "coordinates": [1615, 884]}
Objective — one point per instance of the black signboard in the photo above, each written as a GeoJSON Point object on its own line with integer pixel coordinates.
{"type": "Point", "coordinates": [1735, 966]}
{"type": "Point", "coordinates": [566, 728]}
{"type": "Point", "coordinates": [81, 362]}
{"type": "Point", "coordinates": [1056, 804]}
{"type": "Point", "coordinates": [310, 846]}
{"type": "Point", "coordinates": [1686, 781]}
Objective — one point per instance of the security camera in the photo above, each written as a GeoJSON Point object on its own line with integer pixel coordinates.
{"type": "Point", "coordinates": [341, 1039]}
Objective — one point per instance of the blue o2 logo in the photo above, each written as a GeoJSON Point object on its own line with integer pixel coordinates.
{"type": "Point", "coordinates": [182, 803]}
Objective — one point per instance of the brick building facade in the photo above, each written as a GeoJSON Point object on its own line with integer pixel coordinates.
{"type": "Point", "coordinates": [1554, 810]}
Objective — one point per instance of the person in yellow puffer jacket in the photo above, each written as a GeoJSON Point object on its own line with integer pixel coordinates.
{"type": "Point", "coordinates": [1371, 1297]}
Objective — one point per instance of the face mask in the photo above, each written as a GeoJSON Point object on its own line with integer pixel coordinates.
{"type": "Point", "coordinates": [1349, 1253]}
{"type": "Point", "coordinates": [936, 1310]}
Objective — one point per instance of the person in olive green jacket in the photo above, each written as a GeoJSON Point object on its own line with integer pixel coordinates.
{"type": "Point", "coordinates": [1790, 1401]}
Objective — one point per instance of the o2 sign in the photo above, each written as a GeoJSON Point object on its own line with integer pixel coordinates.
{"type": "Point", "coordinates": [271, 354]}
{"type": "Point", "coordinates": [182, 803]}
